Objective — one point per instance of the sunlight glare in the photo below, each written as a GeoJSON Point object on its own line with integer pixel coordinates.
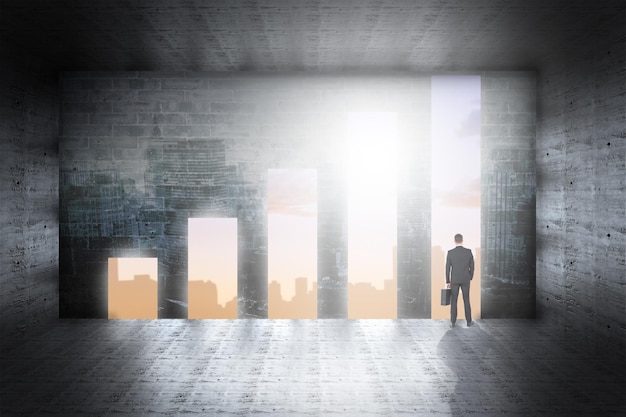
{"type": "Point", "coordinates": [372, 214]}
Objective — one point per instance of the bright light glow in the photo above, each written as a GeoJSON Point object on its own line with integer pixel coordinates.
{"type": "Point", "coordinates": [130, 267]}
{"type": "Point", "coordinates": [456, 171]}
{"type": "Point", "coordinates": [372, 214]}
{"type": "Point", "coordinates": [212, 257]}
{"type": "Point", "coordinates": [372, 160]}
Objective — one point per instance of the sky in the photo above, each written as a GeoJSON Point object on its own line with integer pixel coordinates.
{"type": "Point", "coordinates": [455, 133]}
{"type": "Point", "coordinates": [292, 227]}
{"type": "Point", "coordinates": [372, 207]}
{"type": "Point", "coordinates": [372, 196]}
{"type": "Point", "coordinates": [213, 254]}
{"type": "Point", "coordinates": [456, 166]}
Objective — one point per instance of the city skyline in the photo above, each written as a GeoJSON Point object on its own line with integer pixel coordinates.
{"type": "Point", "coordinates": [132, 296]}
{"type": "Point", "coordinates": [212, 254]}
{"type": "Point", "coordinates": [292, 226]}
{"type": "Point", "coordinates": [302, 305]}
{"type": "Point", "coordinates": [128, 300]}
{"type": "Point", "coordinates": [365, 301]}
{"type": "Point", "coordinates": [202, 301]}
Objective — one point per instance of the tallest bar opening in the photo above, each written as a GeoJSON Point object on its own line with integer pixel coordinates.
{"type": "Point", "coordinates": [456, 179]}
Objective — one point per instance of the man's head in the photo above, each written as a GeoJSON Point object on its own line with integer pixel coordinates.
{"type": "Point", "coordinates": [458, 238]}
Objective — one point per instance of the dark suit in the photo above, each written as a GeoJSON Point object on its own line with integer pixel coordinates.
{"type": "Point", "coordinates": [459, 273]}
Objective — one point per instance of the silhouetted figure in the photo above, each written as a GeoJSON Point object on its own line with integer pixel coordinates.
{"type": "Point", "coordinates": [459, 273]}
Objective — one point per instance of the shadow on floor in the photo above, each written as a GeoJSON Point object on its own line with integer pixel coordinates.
{"type": "Point", "coordinates": [522, 374]}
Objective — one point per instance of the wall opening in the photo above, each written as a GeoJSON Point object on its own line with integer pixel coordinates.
{"type": "Point", "coordinates": [456, 179]}
{"type": "Point", "coordinates": [372, 215]}
{"type": "Point", "coordinates": [133, 288]}
{"type": "Point", "coordinates": [212, 274]}
{"type": "Point", "coordinates": [292, 243]}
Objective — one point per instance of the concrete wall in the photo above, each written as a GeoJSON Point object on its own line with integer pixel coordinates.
{"type": "Point", "coordinates": [28, 193]}
{"type": "Point", "coordinates": [581, 174]}
{"type": "Point", "coordinates": [143, 152]}
{"type": "Point", "coordinates": [508, 112]}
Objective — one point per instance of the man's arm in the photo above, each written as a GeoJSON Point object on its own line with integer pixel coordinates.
{"type": "Point", "coordinates": [448, 268]}
{"type": "Point", "coordinates": [471, 265]}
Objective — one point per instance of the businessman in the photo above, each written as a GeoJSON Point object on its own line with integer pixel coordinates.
{"type": "Point", "coordinates": [459, 274]}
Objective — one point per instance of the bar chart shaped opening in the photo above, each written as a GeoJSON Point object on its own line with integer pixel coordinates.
{"type": "Point", "coordinates": [133, 288]}
{"type": "Point", "coordinates": [456, 179]}
{"type": "Point", "coordinates": [292, 243]}
{"type": "Point", "coordinates": [212, 262]}
{"type": "Point", "coordinates": [372, 158]}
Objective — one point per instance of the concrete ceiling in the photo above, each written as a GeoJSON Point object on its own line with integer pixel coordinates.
{"type": "Point", "coordinates": [277, 35]}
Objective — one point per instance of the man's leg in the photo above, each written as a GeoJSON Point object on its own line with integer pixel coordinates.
{"type": "Point", "coordinates": [453, 301]}
{"type": "Point", "coordinates": [465, 288]}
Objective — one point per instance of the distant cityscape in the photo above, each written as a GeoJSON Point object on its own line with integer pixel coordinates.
{"type": "Point", "coordinates": [131, 299]}
{"type": "Point", "coordinates": [303, 305]}
{"type": "Point", "coordinates": [138, 298]}
{"type": "Point", "coordinates": [367, 302]}
{"type": "Point", "coordinates": [202, 302]}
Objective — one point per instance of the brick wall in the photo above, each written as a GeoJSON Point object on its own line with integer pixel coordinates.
{"type": "Point", "coordinates": [28, 193]}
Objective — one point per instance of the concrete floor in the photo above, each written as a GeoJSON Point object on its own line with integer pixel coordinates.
{"type": "Point", "coordinates": [305, 368]}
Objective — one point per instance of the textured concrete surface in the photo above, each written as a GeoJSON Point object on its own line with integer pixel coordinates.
{"type": "Point", "coordinates": [29, 198]}
{"type": "Point", "coordinates": [305, 368]}
{"type": "Point", "coordinates": [305, 35]}
{"type": "Point", "coordinates": [508, 183]}
{"type": "Point", "coordinates": [581, 187]}
{"type": "Point", "coordinates": [575, 47]}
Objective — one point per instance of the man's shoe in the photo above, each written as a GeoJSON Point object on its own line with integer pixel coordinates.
{"type": "Point", "coordinates": [470, 324]}
{"type": "Point", "coordinates": [452, 325]}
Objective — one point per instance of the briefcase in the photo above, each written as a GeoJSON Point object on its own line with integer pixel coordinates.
{"type": "Point", "coordinates": [446, 293]}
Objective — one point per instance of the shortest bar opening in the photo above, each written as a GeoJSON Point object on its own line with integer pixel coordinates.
{"type": "Point", "coordinates": [133, 288]}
